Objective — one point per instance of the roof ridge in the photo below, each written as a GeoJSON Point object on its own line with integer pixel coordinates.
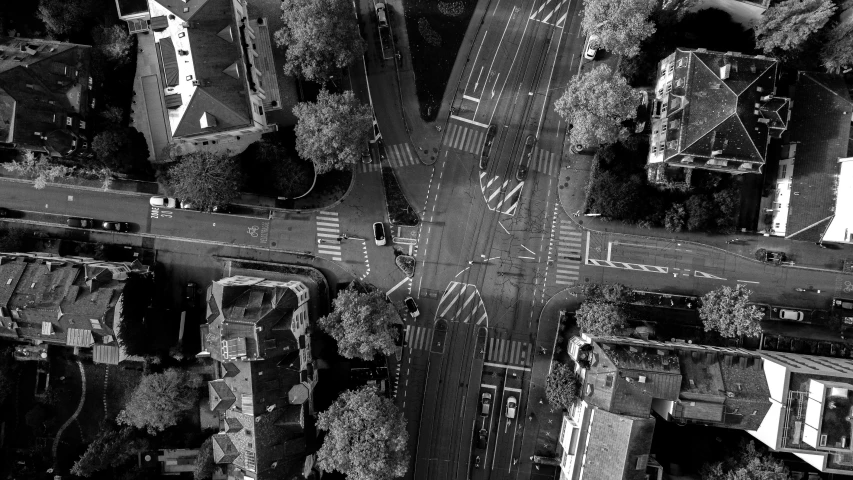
{"type": "Point", "coordinates": [751, 142]}
{"type": "Point", "coordinates": [201, 90]}
{"type": "Point", "coordinates": [817, 81]}
{"type": "Point", "coordinates": [756, 79]}
{"type": "Point", "coordinates": [716, 74]}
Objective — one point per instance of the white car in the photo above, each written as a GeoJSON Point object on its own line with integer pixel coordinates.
{"type": "Point", "coordinates": [163, 202]}
{"type": "Point", "coordinates": [511, 406]}
{"type": "Point", "coordinates": [591, 47]}
{"type": "Point", "coordinates": [380, 14]}
{"type": "Point", "coordinates": [791, 315]}
{"type": "Point", "coordinates": [379, 233]}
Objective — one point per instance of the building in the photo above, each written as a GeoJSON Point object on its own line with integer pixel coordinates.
{"type": "Point", "coordinates": [216, 76]}
{"type": "Point", "coordinates": [259, 332]}
{"type": "Point", "coordinates": [810, 414]}
{"type": "Point", "coordinates": [814, 179]}
{"type": "Point", "coordinates": [69, 301]}
{"type": "Point", "coordinates": [45, 96]}
{"type": "Point", "coordinates": [715, 111]}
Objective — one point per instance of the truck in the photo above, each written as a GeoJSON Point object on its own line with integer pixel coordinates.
{"type": "Point", "coordinates": [385, 37]}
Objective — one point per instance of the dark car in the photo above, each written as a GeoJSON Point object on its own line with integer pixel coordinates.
{"type": "Point", "coordinates": [78, 222]}
{"type": "Point", "coordinates": [487, 146]}
{"type": "Point", "coordinates": [190, 294]}
{"type": "Point", "coordinates": [4, 212]}
{"type": "Point", "coordinates": [483, 439]}
{"type": "Point", "coordinates": [521, 173]}
{"type": "Point", "coordinates": [116, 226]}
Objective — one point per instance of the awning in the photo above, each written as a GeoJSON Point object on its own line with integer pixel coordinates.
{"type": "Point", "coordinates": [159, 23]}
{"type": "Point", "coordinates": [174, 100]}
{"type": "Point", "coordinates": [107, 354]}
{"type": "Point", "coordinates": [169, 62]}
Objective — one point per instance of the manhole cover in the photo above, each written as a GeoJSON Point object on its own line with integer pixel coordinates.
{"type": "Point", "coordinates": [562, 187]}
{"type": "Point", "coordinates": [272, 243]}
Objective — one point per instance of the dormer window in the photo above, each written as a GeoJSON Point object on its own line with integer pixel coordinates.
{"type": "Point", "coordinates": [69, 121]}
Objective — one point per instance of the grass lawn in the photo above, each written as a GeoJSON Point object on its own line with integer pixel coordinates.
{"type": "Point", "coordinates": [434, 40]}
{"type": "Point", "coordinates": [329, 189]}
{"type": "Point", "coordinates": [399, 210]}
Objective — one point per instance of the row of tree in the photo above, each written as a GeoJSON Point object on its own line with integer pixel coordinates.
{"type": "Point", "coordinates": [725, 310]}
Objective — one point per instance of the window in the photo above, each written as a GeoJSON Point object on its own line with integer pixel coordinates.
{"type": "Point", "coordinates": [204, 143]}
{"type": "Point", "coordinates": [783, 171]}
{"type": "Point", "coordinates": [608, 381]}
{"type": "Point", "coordinates": [189, 77]}
{"type": "Point", "coordinates": [96, 325]}
{"type": "Point", "coordinates": [679, 82]}
{"type": "Point", "coordinates": [69, 121]}
{"type": "Point", "coordinates": [260, 109]}
{"type": "Point", "coordinates": [82, 125]}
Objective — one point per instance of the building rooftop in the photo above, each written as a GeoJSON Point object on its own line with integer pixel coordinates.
{"type": "Point", "coordinates": [618, 446]}
{"type": "Point", "coordinates": [820, 128]}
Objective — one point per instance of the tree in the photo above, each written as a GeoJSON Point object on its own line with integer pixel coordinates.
{"type": "Point", "coordinates": [608, 292]}
{"type": "Point", "coordinates": [620, 24]}
{"type": "Point", "coordinates": [121, 150]}
{"type": "Point", "coordinates": [204, 464]}
{"type": "Point", "coordinates": [727, 311]}
{"type": "Point", "coordinates": [113, 114]}
{"type": "Point", "coordinates": [675, 218]}
{"type": "Point", "coordinates": [206, 179]}
{"type": "Point", "coordinates": [112, 448]}
{"type": "Point", "coordinates": [40, 168]}
{"type": "Point", "coordinates": [320, 36]}
{"type": "Point", "coordinates": [13, 239]}
{"type": "Point", "coordinates": [599, 318]}
{"type": "Point", "coordinates": [8, 367]}
{"type": "Point", "coordinates": [63, 17]}
{"type": "Point", "coordinates": [837, 50]}
{"type": "Point", "coordinates": [114, 42]}
{"type": "Point", "coordinates": [334, 131]}
{"type": "Point", "coordinates": [746, 462]}
{"type": "Point", "coordinates": [700, 212]}
{"type": "Point", "coordinates": [727, 203]}
{"type": "Point", "coordinates": [366, 439]}
{"type": "Point", "coordinates": [563, 386]}
{"type": "Point", "coordinates": [616, 197]}
{"type": "Point", "coordinates": [787, 25]}
{"type": "Point", "coordinates": [292, 176]}
{"type": "Point", "coordinates": [595, 104]}
{"type": "Point", "coordinates": [361, 324]}
{"type": "Point", "coordinates": [160, 399]}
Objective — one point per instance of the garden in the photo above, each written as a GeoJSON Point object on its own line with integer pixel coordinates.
{"type": "Point", "coordinates": [619, 190]}
{"type": "Point", "coordinates": [436, 30]}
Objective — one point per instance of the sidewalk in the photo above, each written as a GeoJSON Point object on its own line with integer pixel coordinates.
{"type": "Point", "coordinates": [572, 183]}
{"type": "Point", "coordinates": [541, 433]}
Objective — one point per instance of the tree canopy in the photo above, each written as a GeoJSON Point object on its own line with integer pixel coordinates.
{"type": "Point", "coordinates": [595, 104]}
{"type": "Point", "coordinates": [562, 386]}
{"type": "Point", "coordinates": [321, 36]}
{"type": "Point", "coordinates": [204, 464]}
{"type": "Point", "coordinates": [112, 448]}
{"type": "Point", "coordinates": [64, 17]}
{"type": "Point", "coordinates": [361, 324]}
{"type": "Point", "coordinates": [120, 150]}
{"type": "Point", "coordinates": [160, 400]}
{"type": "Point", "coordinates": [727, 311]}
{"type": "Point", "coordinates": [786, 25]}
{"type": "Point", "coordinates": [366, 439]}
{"type": "Point", "coordinates": [114, 42]}
{"type": "Point", "coordinates": [837, 49]}
{"type": "Point", "coordinates": [333, 131]}
{"type": "Point", "coordinates": [206, 179]}
{"type": "Point", "coordinates": [621, 25]}
{"type": "Point", "coordinates": [746, 462]}
{"type": "Point", "coordinates": [133, 332]}
{"type": "Point", "coordinates": [599, 318]}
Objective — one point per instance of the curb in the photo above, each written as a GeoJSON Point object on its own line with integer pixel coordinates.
{"type": "Point", "coordinates": [327, 207]}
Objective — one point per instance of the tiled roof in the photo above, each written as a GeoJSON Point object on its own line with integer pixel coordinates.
{"type": "Point", "coordinates": [183, 9]}
{"type": "Point", "coordinates": [49, 81]}
{"type": "Point", "coordinates": [220, 395]}
{"type": "Point", "coordinates": [618, 446]}
{"type": "Point", "coordinates": [820, 126]}
{"type": "Point", "coordinates": [219, 94]}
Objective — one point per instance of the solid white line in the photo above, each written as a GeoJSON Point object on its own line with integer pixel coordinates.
{"type": "Point", "coordinates": [334, 214]}
{"type": "Point", "coordinates": [529, 258]}
{"type": "Point", "coordinates": [517, 188]}
{"type": "Point", "coordinates": [395, 287]}
{"type": "Point", "coordinates": [747, 281]}
{"type": "Point", "coordinates": [545, 20]}
{"type": "Point", "coordinates": [508, 367]}
{"type": "Point", "coordinates": [462, 119]}
{"type": "Point", "coordinates": [328, 224]}
{"type": "Point", "coordinates": [475, 62]}
{"type": "Point", "coordinates": [325, 229]}
{"type": "Point", "coordinates": [453, 286]}
{"type": "Point", "coordinates": [502, 226]}
{"type": "Point", "coordinates": [329, 235]}
{"type": "Point", "coordinates": [460, 272]}
{"type": "Point", "coordinates": [529, 250]}
{"type": "Point", "coordinates": [493, 195]}
{"type": "Point", "coordinates": [467, 97]}
{"type": "Point", "coordinates": [452, 302]}
{"type": "Point", "coordinates": [526, 24]}
{"type": "Point", "coordinates": [586, 254]}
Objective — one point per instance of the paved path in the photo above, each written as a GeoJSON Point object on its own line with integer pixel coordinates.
{"type": "Point", "coordinates": [76, 412]}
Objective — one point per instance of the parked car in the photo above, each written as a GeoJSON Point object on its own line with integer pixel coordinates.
{"type": "Point", "coordinates": [163, 202]}
{"type": "Point", "coordinates": [4, 212]}
{"type": "Point", "coordinates": [381, 15]}
{"type": "Point", "coordinates": [379, 233]}
{"type": "Point", "coordinates": [529, 143]}
{"type": "Point", "coordinates": [225, 208]}
{"type": "Point", "coordinates": [190, 294]}
{"type": "Point", "coordinates": [413, 307]}
{"type": "Point", "coordinates": [487, 146]}
{"type": "Point", "coordinates": [485, 404]}
{"type": "Point", "coordinates": [78, 222]}
{"type": "Point", "coordinates": [511, 406]}
{"type": "Point", "coordinates": [794, 315]}
{"type": "Point", "coordinates": [483, 439]}
{"type": "Point", "coordinates": [591, 47]}
{"type": "Point", "coordinates": [187, 205]}
{"type": "Point", "coordinates": [116, 226]}
{"type": "Point", "coordinates": [842, 303]}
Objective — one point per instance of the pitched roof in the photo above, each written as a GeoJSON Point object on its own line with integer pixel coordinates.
{"type": "Point", "coordinates": [618, 447]}
{"type": "Point", "coordinates": [820, 126]}
{"type": "Point", "coordinates": [183, 9]}
{"type": "Point", "coordinates": [720, 114]}
{"type": "Point", "coordinates": [220, 395]}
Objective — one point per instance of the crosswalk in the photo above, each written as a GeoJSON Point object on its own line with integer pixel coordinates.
{"type": "Point", "coordinates": [465, 138]}
{"type": "Point", "coordinates": [565, 250]}
{"type": "Point", "coordinates": [461, 302]}
{"type": "Point", "coordinates": [545, 162]}
{"type": "Point", "coordinates": [549, 13]}
{"type": "Point", "coordinates": [418, 338]}
{"type": "Point", "coordinates": [511, 352]}
{"type": "Point", "coordinates": [501, 194]}
{"type": "Point", "coordinates": [397, 156]}
{"type": "Point", "coordinates": [328, 231]}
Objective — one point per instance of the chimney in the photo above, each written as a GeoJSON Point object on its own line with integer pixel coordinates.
{"type": "Point", "coordinates": [766, 98]}
{"type": "Point", "coordinates": [725, 71]}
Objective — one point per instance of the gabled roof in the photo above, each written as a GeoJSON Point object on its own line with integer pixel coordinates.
{"type": "Point", "coordinates": [820, 126]}
{"type": "Point", "coordinates": [183, 9]}
{"type": "Point", "coordinates": [220, 395]}
{"type": "Point", "coordinates": [224, 450]}
{"type": "Point", "coordinates": [618, 447]}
